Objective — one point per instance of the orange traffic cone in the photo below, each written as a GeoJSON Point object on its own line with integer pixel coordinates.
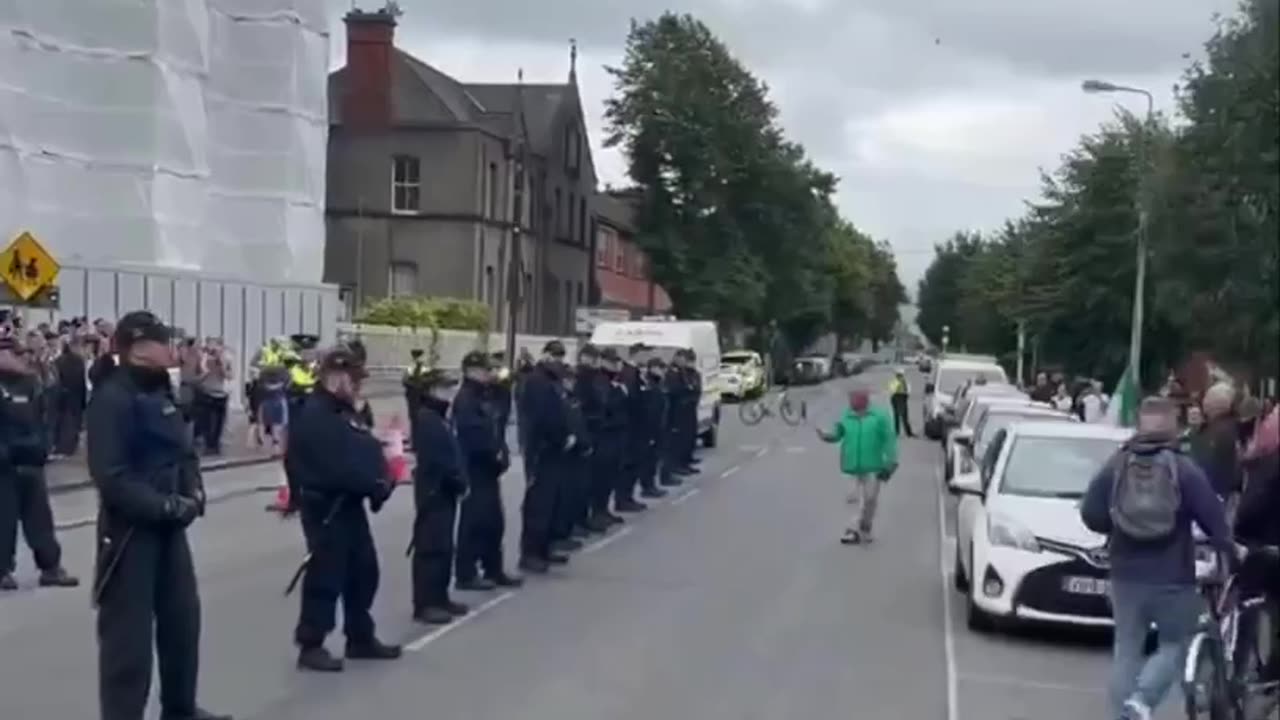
{"type": "Point", "coordinates": [282, 501]}
{"type": "Point", "coordinates": [393, 451]}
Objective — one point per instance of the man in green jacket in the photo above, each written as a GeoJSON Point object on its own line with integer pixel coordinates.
{"type": "Point", "coordinates": [868, 454]}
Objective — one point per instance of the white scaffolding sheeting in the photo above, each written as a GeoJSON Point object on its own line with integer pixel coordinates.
{"type": "Point", "coordinates": [174, 133]}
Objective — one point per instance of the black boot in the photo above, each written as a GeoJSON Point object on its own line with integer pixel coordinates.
{"type": "Point", "coordinates": [434, 616]}
{"type": "Point", "coordinates": [557, 559]}
{"type": "Point", "coordinates": [456, 609]}
{"type": "Point", "coordinates": [652, 493]}
{"type": "Point", "coordinates": [628, 505]}
{"type": "Point", "coordinates": [7, 583]}
{"type": "Point", "coordinates": [477, 584]}
{"type": "Point", "coordinates": [58, 577]}
{"type": "Point", "coordinates": [580, 531]}
{"type": "Point", "coordinates": [199, 715]}
{"type": "Point", "coordinates": [318, 659]}
{"type": "Point", "coordinates": [671, 481]}
{"type": "Point", "coordinates": [599, 524]}
{"type": "Point", "coordinates": [566, 546]}
{"type": "Point", "coordinates": [534, 565]}
{"type": "Point", "coordinates": [507, 581]}
{"type": "Point", "coordinates": [373, 649]}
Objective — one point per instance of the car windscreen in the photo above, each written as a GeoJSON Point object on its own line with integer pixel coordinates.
{"type": "Point", "coordinates": [951, 379]}
{"type": "Point", "coordinates": [995, 420]}
{"type": "Point", "coordinates": [666, 353]}
{"type": "Point", "coordinates": [1054, 467]}
{"type": "Point", "coordinates": [735, 359]}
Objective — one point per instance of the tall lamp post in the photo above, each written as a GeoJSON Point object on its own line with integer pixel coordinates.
{"type": "Point", "coordinates": [1140, 282]}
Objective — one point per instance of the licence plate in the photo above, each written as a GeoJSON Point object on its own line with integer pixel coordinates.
{"type": "Point", "coordinates": [1086, 586]}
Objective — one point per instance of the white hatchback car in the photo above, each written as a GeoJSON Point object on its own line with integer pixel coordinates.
{"type": "Point", "coordinates": [1022, 552]}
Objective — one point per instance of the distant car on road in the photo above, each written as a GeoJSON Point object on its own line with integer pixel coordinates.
{"type": "Point", "coordinates": [810, 370]}
{"type": "Point", "coordinates": [1022, 552]}
{"type": "Point", "coordinates": [741, 374]}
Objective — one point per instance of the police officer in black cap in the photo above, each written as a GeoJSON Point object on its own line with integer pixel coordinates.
{"type": "Point", "coordinates": [148, 480]}
{"type": "Point", "coordinates": [553, 450]}
{"type": "Point", "coordinates": [24, 496]}
{"type": "Point", "coordinates": [592, 390]}
{"type": "Point", "coordinates": [637, 445]}
{"type": "Point", "coordinates": [482, 520]}
{"type": "Point", "coordinates": [611, 443]}
{"type": "Point", "coordinates": [652, 425]}
{"type": "Point", "coordinates": [622, 415]}
{"type": "Point", "coordinates": [415, 388]}
{"type": "Point", "coordinates": [679, 396]}
{"type": "Point", "coordinates": [572, 474]}
{"type": "Point", "coordinates": [439, 481]}
{"type": "Point", "coordinates": [339, 464]}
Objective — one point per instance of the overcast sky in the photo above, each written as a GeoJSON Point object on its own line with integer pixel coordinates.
{"type": "Point", "coordinates": [936, 114]}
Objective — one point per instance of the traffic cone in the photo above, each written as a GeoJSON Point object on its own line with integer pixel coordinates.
{"type": "Point", "coordinates": [281, 503]}
{"type": "Point", "coordinates": [393, 451]}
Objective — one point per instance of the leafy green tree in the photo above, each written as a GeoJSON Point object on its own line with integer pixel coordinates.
{"type": "Point", "coordinates": [939, 292]}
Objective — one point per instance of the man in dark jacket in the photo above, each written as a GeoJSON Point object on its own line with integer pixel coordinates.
{"type": "Point", "coordinates": [629, 376]}
{"type": "Point", "coordinates": [338, 465]}
{"type": "Point", "coordinates": [652, 425]}
{"type": "Point", "coordinates": [612, 443]}
{"type": "Point", "coordinates": [439, 480]}
{"type": "Point", "coordinates": [482, 520]}
{"type": "Point", "coordinates": [150, 491]}
{"type": "Point", "coordinates": [550, 495]}
{"type": "Point", "coordinates": [1258, 519]}
{"type": "Point", "coordinates": [73, 396]}
{"type": "Point", "coordinates": [1153, 581]}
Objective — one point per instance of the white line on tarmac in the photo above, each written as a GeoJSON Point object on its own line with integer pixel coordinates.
{"type": "Point", "coordinates": [1033, 684]}
{"type": "Point", "coordinates": [685, 496]}
{"type": "Point", "coordinates": [443, 630]}
{"type": "Point", "coordinates": [730, 471]}
{"type": "Point", "coordinates": [605, 542]}
{"type": "Point", "coordinates": [948, 628]}
{"type": "Point", "coordinates": [761, 452]}
{"type": "Point", "coordinates": [796, 449]}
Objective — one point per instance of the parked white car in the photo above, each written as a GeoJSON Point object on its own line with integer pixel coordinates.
{"type": "Point", "coordinates": [950, 376]}
{"type": "Point", "coordinates": [1022, 552]}
{"type": "Point", "coordinates": [986, 421]}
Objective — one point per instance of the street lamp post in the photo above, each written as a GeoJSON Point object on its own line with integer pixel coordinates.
{"type": "Point", "coordinates": [1140, 281]}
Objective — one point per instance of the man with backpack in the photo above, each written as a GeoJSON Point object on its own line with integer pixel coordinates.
{"type": "Point", "coordinates": [1145, 500]}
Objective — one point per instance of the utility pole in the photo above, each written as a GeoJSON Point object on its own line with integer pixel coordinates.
{"type": "Point", "coordinates": [516, 256]}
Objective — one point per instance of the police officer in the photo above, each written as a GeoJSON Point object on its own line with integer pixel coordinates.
{"type": "Point", "coordinates": [439, 481]}
{"type": "Point", "coordinates": [592, 390]}
{"type": "Point", "coordinates": [652, 425]}
{"type": "Point", "coordinates": [611, 441]}
{"type": "Point", "coordinates": [482, 520]}
{"type": "Point", "coordinates": [677, 393]}
{"type": "Point", "coordinates": [24, 497]}
{"type": "Point", "coordinates": [689, 412]}
{"type": "Point", "coordinates": [339, 464]}
{"type": "Point", "coordinates": [552, 448]}
{"type": "Point", "coordinates": [415, 387]}
{"type": "Point", "coordinates": [572, 474]}
{"type": "Point", "coordinates": [625, 379]}
{"type": "Point", "coordinates": [501, 393]}
{"type": "Point", "coordinates": [150, 491]}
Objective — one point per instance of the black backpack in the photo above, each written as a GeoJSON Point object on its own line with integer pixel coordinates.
{"type": "Point", "coordinates": [1145, 496]}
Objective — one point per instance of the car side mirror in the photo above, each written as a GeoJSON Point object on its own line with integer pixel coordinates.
{"type": "Point", "coordinates": [965, 485]}
{"type": "Point", "coordinates": [963, 439]}
{"type": "Point", "coordinates": [929, 388]}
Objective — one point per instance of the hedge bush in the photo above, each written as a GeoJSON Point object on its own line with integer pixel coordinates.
{"type": "Point", "coordinates": [428, 313]}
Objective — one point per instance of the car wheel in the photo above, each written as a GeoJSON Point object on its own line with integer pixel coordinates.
{"type": "Point", "coordinates": [957, 573]}
{"type": "Point", "coordinates": [975, 617]}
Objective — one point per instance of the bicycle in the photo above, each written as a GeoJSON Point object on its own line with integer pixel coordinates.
{"type": "Point", "coordinates": [1220, 674]}
{"type": "Point", "coordinates": [793, 411]}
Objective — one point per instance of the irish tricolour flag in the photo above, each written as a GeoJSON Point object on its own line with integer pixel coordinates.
{"type": "Point", "coordinates": [1122, 411]}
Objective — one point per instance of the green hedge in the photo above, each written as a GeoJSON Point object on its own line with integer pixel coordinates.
{"type": "Point", "coordinates": [427, 313]}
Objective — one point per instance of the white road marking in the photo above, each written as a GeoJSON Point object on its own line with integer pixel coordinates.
{"type": "Point", "coordinates": [948, 628]}
{"type": "Point", "coordinates": [796, 449]}
{"type": "Point", "coordinates": [1033, 684]}
{"type": "Point", "coordinates": [605, 542]}
{"type": "Point", "coordinates": [443, 630]}
{"type": "Point", "coordinates": [761, 452]}
{"type": "Point", "coordinates": [750, 448]}
{"type": "Point", "coordinates": [685, 496]}
{"type": "Point", "coordinates": [730, 471]}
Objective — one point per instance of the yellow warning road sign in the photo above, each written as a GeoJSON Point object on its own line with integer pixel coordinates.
{"type": "Point", "coordinates": [27, 267]}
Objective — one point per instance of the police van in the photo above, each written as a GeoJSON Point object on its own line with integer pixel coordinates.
{"type": "Point", "coordinates": [666, 336]}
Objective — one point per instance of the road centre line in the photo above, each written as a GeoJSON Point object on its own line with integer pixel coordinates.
{"type": "Point", "coordinates": [730, 471]}
{"type": "Point", "coordinates": [685, 497]}
{"type": "Point", "coordinates": [443, 630]}
{"type": "Point", "coordinates": [761, 452]}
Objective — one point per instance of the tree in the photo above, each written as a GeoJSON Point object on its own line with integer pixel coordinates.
{"type": "Point", "coordinates": [887, 295]}
{"type": "Point", "coordinates": [849, 266]}
{"type": "Point", "coordinates": [938, 295]}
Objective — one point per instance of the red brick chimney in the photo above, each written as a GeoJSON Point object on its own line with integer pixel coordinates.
{"type": "Point", "coordinates": [366, 102]}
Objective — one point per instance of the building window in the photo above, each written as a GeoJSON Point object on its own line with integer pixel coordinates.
{"type": "Point", "coordinates": [604, 241]}
{"type": "Point", "coordinates": [402, 279]}
{"type": "Point", "coordinates": [557, 220]}
{"type": "Point", "coordinates": [406, 184]}
{"type": "Point", "coordinates": [572, 148]}
{"type": "Point", "coordinates": [582, 221]}
{"type": "Point", "coordinates": [620, 257]}
{"type": "Point", "coordinates": [573, 203]}
{"type": "Point", "coordinates": [493, 192]}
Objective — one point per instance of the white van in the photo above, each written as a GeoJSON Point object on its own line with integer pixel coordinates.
{"type": "Point", "coordinates": [667, 336]}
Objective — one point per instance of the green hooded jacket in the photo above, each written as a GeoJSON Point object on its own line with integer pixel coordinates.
{"type": "Point", "coordinates": [868, 444]}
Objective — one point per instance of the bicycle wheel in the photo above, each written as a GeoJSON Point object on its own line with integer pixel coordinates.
{"type": "Point", "coordinates": [793, 412]}
{"type": "Point", "coordinates": [1204, 680]}
{"type": "Point", "coordinates": [751, 412]}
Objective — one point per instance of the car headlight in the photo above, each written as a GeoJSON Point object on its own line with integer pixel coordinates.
{"type": "Point", "coordinates": [1004, 532]}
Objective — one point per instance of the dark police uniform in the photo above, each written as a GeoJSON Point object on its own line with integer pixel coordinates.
{"type": "Point", "coordinates": [652, 425]}
{"type": "Point", "coordinates": [611, 442]}
{"type": "Point", "coordinates": [24, 497]}
{"type": "Point", "coordinates": [482, 521]}
{"type": "Point", "coordinates": [439, 480]}
{"type": "Point", "coordinates": [150, 491]}
{"type": "Point", "coordinates": [678, 395]}
{"type": "Point", "coordinates": [552, 446]}
{"type": "Point", "coordinates": [415, 388]}
{"type": "Point", "coordinates": [637, 440]}
{"type": "Point", "coordinates": [569, 522]}
{"type": "Point", "coordinates": [689, 424]}
{"type": "Point", "coordinates": [338, 464]}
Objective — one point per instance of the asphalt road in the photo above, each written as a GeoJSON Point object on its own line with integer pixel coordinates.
{"type": "Point", "coordinates": [731, 601]}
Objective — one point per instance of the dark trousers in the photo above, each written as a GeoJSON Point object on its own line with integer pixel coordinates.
{"type": "Point", "coordinates": [647, 468]}
{"type": "Point", "coordinates": [624, 488]}
{"type": "Point", "coordinates": [432, 567]}
{"type": "Point", "coordinates": [70, 420]}
{"type": "Point", "coordinates": [344, 564]}
{"type": "Point", "coordinates": [572, 497]}
{"type": "Point", "coordinates": [538, 513]}
{"type": "Point", "coordinates": [689, 435]}
{"type": "Point", "coordinates": [149, 599]}
{"type": "Point", "coordinates": [25, 499]}
{"type": "Point", "coordinates": [481, 525]}
{"type": "Point", "coordinates": [901, 417]}
{"type": "Point", "coordinates": [606, 466]}
{"type": "Point", "coordinates": [210, 420]}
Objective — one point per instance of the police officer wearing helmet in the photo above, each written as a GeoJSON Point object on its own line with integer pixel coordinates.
{"type": "Point", "coordinates": [339, 465]}
{"type": "Point", "coordinates": [150, 491]}
{"type": "Point", "coordinates": [439, 481]}
{"type": "Point", "coordinates": [24, 496]}
{"type": "Point", "coordinates": [482, 520]}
